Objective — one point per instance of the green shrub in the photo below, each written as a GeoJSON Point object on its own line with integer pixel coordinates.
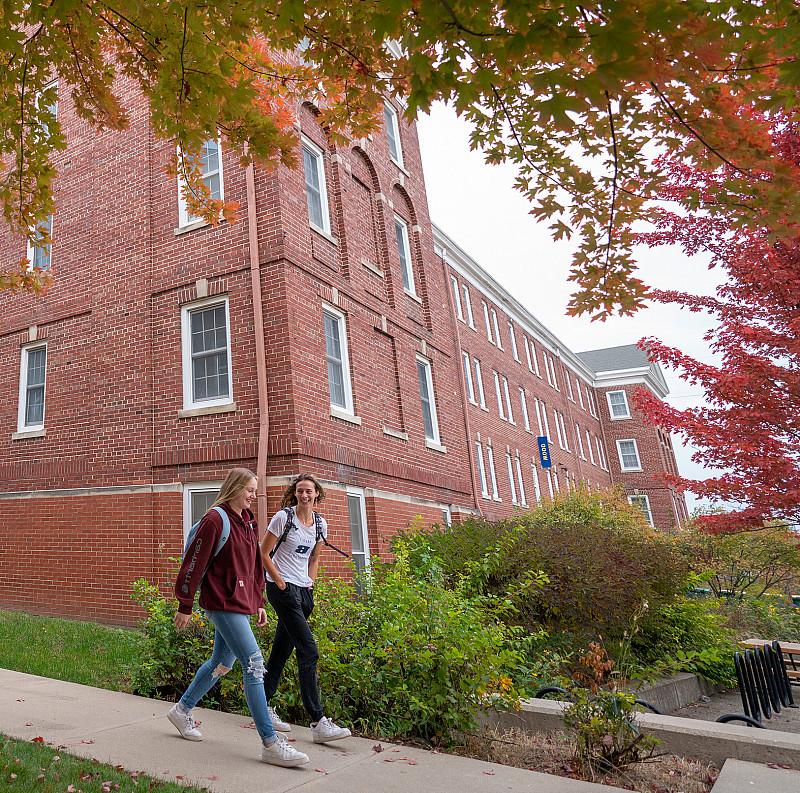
{"type": "Point", "coordinates": [762, 618]}
{"type": "Point", "coordinates": [686, 635]}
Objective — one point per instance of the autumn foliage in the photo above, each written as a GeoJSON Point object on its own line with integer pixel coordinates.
{"type": "Point", "coordinates": [750, 422]}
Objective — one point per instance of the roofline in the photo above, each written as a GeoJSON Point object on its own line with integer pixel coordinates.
{"type": "Point", "coordinates": [650, 376]}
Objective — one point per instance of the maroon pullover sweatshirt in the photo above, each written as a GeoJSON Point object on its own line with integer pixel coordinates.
{"type": "Point", "coordinates": [234, 579]}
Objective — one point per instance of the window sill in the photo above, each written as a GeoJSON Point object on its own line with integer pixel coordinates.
{"type": "Point", "coordinates": [403, 436]}
{"type": "Point", "coordinates": [473, 402]}
{"type": "Point", "coordinates": [483, 407]}
{"type": "Point", "coordinates": [23, 434]}
{"type": "Point", "coordinates": [434, 446]}
{"type": "Point", "coordinates": [373, 268]}
{"type": "Point", "coordinates": [414, 296]}
{"type": "Point", "coordinates": [197, 224]}
{"type": "Point", "coordinates": [620, 418]}
{"type": "Point", "coordinates": [338, 413]}
{"type": "Point", "coordinates": [399, 166]}
{"type": "Point", "coordinates": [326, 234]}
{"type": "Point", "coordinates": [497, 499]}
{"type": "Point", "coordinates": [629, 470]}
{"type": "Point", "coordinates": [209, 410]}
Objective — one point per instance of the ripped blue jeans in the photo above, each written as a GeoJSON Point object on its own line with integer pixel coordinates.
{"type": "Point", "coordinates": [234, 640]}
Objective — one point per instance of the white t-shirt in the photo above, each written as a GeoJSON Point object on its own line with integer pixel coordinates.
{"type": "Point", "coordinates": [293, 555]}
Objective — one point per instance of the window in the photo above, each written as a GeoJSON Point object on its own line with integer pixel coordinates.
{"type": "Point", "coordinates": [560, 417]}
{"type": "Point", "coordinates": [550, 370]}
{"type": "Point", "coordinates": [457, 297]}
{"type": "Point", "coordinates": [549, 476]}
{"type": "Point", "coordinates": [496, 328]}
{"type": "Point", "coordinates": [47, 100]}
{"type": "Point", "coordinates": [520, 481]}
{"type": "Point", "coordinates": [316, 187]}
{"type": "Point", "coordinates": [359, 541]}
{"type": "Point", "coordinates": [628, 455]}
{"type": "Point", "coordinates": [527, 345]}
{"type": "Point", "coordinates": [589, 444]}
{"type": "Point", "coordinates": [590, 402]}
{"type": "Point", "coordinates": [537, 491]}
{"type": "Point", "coordinates": [618, 405]}
{"type": "Point", "coordinates": [559, 434]}
{"type": "Point", "coordinates": [206, 354]}
{"type": "Point", "coordinates": [468, 377]}
{"type": "Point", "coordinates": [556, 483]}
{"type": "Point", "coordinates": [492, 472]}
{"type": "Point", "coordinates": [568, 381]}
{"type": "Point", "coordinates": [643, 503]}
{"type": "Point", "coordinates": [538, 407]}
{"type": "Point", "coordinates": [511, 484]}
{"type": "Point", "coordinates": [32, 376]}
{"type": "Point", "coordinates": [488, 322]}
{"type": "Point", "coordinates": [579, 440]}
{"type": "Point", "coordinates": [40, 251]}
{"type": "Point", "coordinates": [535, 360]}
{"type": "Point", "coordinates": [507, 395]}
{"type": "Point", "coordinates": [447, 517]}
{"type": "Point", "coordinates": [580, 393]}
{"type": "Point", "coordinates": [197, 500]}
{"type": "Point", "coordinates": [393, 133]}
{"type": "Point", "coordinates": [524, 406]}
{"type": "Point", "coordinates": [499, 395]}
{"type": "Point", "coordinates": [468, 306]}
{"type": "Point", "coordinates": [429, 418]}
{"type": "Point", "coordinates": [479, 383]}
{"type": "Point", "coordinates": [481, 469]}
{"type": "Point", "coordinates": [513, 338]}
{"type": "Point", "coordinates": [546, 423]}
{"type": "Point", "coordinates": [404, 251]}
{"type": "Point", "coordinates": [210, 164]}
{"type": "Point", "coordinates": [601, 453]}
{"type": "Point", "coordinates": [338, 360]}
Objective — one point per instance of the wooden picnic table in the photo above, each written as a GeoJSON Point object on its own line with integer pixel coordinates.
{"type": "Point", "coordinates": [790, 650]}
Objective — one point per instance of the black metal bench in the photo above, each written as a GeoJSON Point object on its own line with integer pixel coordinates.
{"type": "Point", "coordinates": [764, 685]}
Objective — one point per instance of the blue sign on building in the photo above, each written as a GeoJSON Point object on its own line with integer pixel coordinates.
{"type": "Point", "coordinates": [544, 451]}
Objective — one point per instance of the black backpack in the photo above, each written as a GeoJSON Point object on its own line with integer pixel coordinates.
{"type": "Point", "coordinates": [318, 525]}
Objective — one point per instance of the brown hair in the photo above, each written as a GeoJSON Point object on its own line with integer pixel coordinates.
{"type": "Point", "coordinates": [236, 481]}
{"type": "Point", "coordinates": [289, 499]}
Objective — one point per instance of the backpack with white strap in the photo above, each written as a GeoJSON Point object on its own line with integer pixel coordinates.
{"type": "Point", "coordinates": [223, 537]}
{"type": "Point", "coordinates": [317, 524]}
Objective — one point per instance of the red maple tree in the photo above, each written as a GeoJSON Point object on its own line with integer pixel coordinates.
{"type": "Point", "coordinates": [750, 424]}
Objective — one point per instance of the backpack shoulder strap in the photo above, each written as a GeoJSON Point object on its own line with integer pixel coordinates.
{"type": "Point", "coordinates": [289, 525]}
{"type": "Point", "coordinates": [226, 529]}
{"type": "Point", "coordinates": [321, 536]}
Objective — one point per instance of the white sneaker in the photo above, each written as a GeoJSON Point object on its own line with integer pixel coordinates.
{"type": "Point", "coordinates": [184, 723]}
{"type": "Point", "coordinates": [282, 753]}
{"type": "Point", "coordinates": [277, 722]}
{"type": "Point", "coordinates": [325, 730]}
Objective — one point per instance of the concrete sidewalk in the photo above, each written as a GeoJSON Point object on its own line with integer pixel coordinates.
{"type": "Point", "coordinates": [122, 729]}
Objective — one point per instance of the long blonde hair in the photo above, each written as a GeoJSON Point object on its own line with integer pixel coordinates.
{"type": "Point", "coordinates": [289, 498]}
{"type": "Point", "coordinates": [236, 481]}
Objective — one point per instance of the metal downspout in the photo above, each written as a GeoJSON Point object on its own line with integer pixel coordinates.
{"type": "Point", "coordinates": [261, 360]}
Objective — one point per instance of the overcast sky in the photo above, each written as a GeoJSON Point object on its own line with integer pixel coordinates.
{"type": "Point", "coordinates": [476, 204]}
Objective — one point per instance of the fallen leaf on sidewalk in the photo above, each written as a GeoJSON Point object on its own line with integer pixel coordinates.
{"type": "Point", "coordinates": [87, 740]}
{"type": "Point", "coordinates": [291, 740]}
{"type": "Point", "coordinates": [409, 760]}
{"type": "Point", "coordinates": [20, 700]}
{"type": "Point", "coordinates": [320, 770]}
{"type": "Point", "coordinates": [489, 773]}
{"type": "Point", "coordinates": [377, 748]}
{"type": "Point", "coordinates": [250, 726]}
{"type": "Point", "coordinates": [29, 724]}
{"type": "Point", "coordinates": [778, 765]}
{"type": "Point", "coordinates": [212, 777]}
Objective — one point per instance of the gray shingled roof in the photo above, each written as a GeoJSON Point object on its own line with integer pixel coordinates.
{"type": "Point", "coordinates": [612, 359]}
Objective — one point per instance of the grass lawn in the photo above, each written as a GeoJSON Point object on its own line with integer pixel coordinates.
{"type": "Point", "coordinates": [27, 766]}
{"type": "Point", "coordinates": [80, 652]}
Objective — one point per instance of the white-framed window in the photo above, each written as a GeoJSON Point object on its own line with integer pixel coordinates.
{"type": "Point", "coordinates": [430, 420]}
{"type": "Point", "coordinates": [568, 380]}
{"type": "Point", "coordinates": [527, 345]}
{"type": "Point", "coordinates": [488, 322]}
{"type": "Point", "coordinates": [643, 503]}
{"type": "Point", "coordinates": [468, 377]}
{"type": "Point", "coordinates": [513, 338]}
{"type": "Point", "coordinates": [479, 383]}
{"type": "Point", "coordinates": [628, 452]}
{"type": "Point", "coordinates": [538, 408]}
{"type": "Point", "coordinates": [546, 423]}
{"type": "Point", "coordinates": [579, 440]}
{"type": "Point", "coordinates": [337, 357]}
{"type": "Point", "coordinates": [357, 518]}
{"type": "Point", "coordinates": [447, 516]}
{"type": "Point", "coordinates": [206, 348]}
{"type": "Point", "coordinates": [555, 373]}
{"type": "Point", "coordinates": [590, 402]}
{"type": "Point", "coordinates": [468, 306]}
{"type": "Point", "coordinates": [580, 393]}
{"type": "Point", "coordinates": [564, 431]}
{"type": "Point", "coordinates": [507, 395]}
{"type": "Point", "coordinates": [316, 186]}
{"type": "Point", "coordinates": [481, 469]}
{"type": "Point", "coordinates": [549, 476]}
{"type": "Point", "coordinates": [536, 370]}
{"type": "Point", "coordinates": [537, 490]}
{"type": "Point", "coordinates": [211, 171]}
{"type": "Point", "coordinates": [50, 104]}
{"type": "Point", "coordinates": [197, 500]}
{"type": "Point", "coordinates": [601, 453]}
{"type": "Point", "coordinates": [523, 403]}
{"type": "Point", "coordinates": [457, 297]}
{"type": "Point", "coordinates": [499, 395]}
{"type": "Point", "coordinates": [591, 450]}
{"type": "Point", "coordinates": [393, 133]}
{"type": "Point", "coordinates": [404, 252]}
{"type": "Point", "coordinates": [512, 485]}
{"type": "Point", "coordinates": [520, 481]}
{"type": "Point", "coordinates": [496, 328]}
{"type": "Point", "coordinates": [32, 383]}
{"type": "Point", "coordinates": [492, 472]}
{"type": "Point", "coordinates": [559, 434]}
{"type": "Point", "coordinates": [618, 405]}
{"type": "Point", "coordinates": [40, 254]}
{"type": "Point", "coordinates": [550, 370]}
{"type": "Point", "coordinates": [556, 483]}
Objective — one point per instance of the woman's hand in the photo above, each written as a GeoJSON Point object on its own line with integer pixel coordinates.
{"type": "Point", "coordinates": [279, 582]}
{"type": "Point", "coordinates": [262, 618]}
{"type": "Point", "coordinates": [181, 620]}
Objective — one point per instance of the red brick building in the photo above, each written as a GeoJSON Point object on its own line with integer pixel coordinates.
{"type": "Point", "coordinates": [321, 332]}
